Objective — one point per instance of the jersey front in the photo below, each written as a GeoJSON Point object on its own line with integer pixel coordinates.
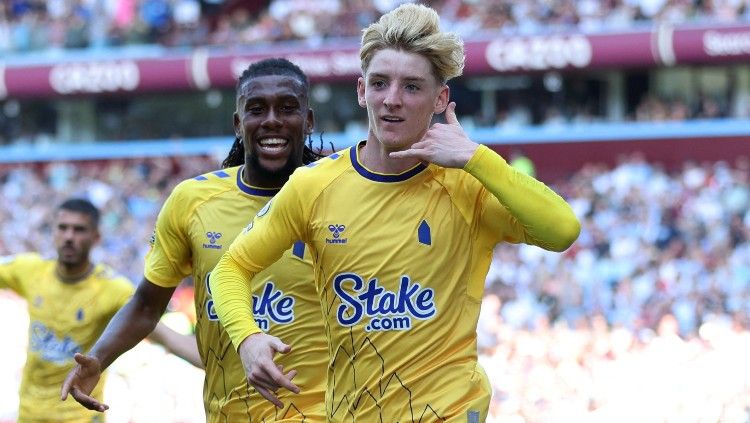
{"type": "Point", "coordinates": [64, 318]}
{"type": "Point", "coordinates": [400, 265]}
{"type": "Point", "coordinates": [197, 223]}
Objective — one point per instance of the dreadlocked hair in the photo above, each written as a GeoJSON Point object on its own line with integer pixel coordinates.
{"type": "Point", "coordinates": [236, 154]}
{"type": "Point", "coordinates": [267, 67]}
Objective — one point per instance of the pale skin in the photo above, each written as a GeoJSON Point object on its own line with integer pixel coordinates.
{"type": "Point", "coordinates": [401, 95]}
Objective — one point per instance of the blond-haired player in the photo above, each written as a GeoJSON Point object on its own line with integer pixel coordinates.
{"type": "Point", "coordinates": [401, 228]}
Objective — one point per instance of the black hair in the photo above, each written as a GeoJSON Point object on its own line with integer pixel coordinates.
{"type": "Point", "coordinates": [274, 66]}
{"type": "Point", "coordinates": [83, 206]}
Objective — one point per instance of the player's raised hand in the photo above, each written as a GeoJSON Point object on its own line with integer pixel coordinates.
{"type": "Point", "coordinates": [82, 380]}
{"type": "Point", "coordinates": [257, 352]}
{"type": "Point", "coordinates": [444, 144]}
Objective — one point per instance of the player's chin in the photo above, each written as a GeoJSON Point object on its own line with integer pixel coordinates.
{"type": "Point", "coordinates": [276, 167]}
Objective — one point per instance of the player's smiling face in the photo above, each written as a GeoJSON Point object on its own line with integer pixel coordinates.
{"type": "Point", "coordinates": [401, 95]}
{"type": "Point", "coordinates": [273, 120]}
{"type": "Point", "coordinates": [74, 236]}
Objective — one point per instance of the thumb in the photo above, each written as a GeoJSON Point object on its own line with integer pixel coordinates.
{"type": "Point", "coordinates": [83, 360]}
{"type": "Point", "coordinates": [280, 346]}
{"type": "Point", "coordinates": [450, 114]}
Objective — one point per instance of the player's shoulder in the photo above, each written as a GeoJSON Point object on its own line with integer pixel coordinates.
{"type": "Point", "coordinates": [220, 179]}
{"type": "Point", "coordinates": [111, 277]}
{"type": "Point", "coordinates": [23, 259]}
{"type": "Point", "coordinates": [206, 185]}
{"type": "Point", "coordinates": [463, 189]}
{"type": "Point", "coordinates": [322, 172]}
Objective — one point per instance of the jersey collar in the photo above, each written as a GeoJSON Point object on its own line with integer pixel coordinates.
{"type": "Point", "coordinates": [249, 189]}
{"type": "Point", "coordinates": [381, 177]}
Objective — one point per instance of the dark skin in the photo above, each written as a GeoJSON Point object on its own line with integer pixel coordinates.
{"type": "Point", "coordinates": [272, 119]}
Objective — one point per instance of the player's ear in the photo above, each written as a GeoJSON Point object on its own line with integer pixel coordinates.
{"type": "Point", "coordinates": [310, 125]}
{"type": "Point", "coordinates": [236, 124]}
{"type": "Point", "coordinates": [443, 98]}
{"type": "Point", "coordinates": [361, 92]}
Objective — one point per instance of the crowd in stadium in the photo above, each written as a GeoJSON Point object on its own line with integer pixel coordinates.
{"type": "Point", "coordinates": [28, 25]}
{"type": "Point", "coordinates": [663, 261]}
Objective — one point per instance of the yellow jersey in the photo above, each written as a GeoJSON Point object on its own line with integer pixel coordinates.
{"type": "Point", "coordinates": [64, 318]}
{"type": "Point", "coordinates": [400, 264]}
{"type": "Point", "coordinates": [196, 225]}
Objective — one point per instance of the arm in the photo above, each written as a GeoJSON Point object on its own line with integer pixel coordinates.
{"type": "Point", "coordinates": [131, 324]}
{"type": "Point", "coordinates": [265, 240]}
{"type": "Point", "coordinates": [545, 218]}
{"type": "Point", "coordinates": [183, 346]}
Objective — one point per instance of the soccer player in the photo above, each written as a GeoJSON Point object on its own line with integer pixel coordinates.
{"type": "Point", "coordinates": [70, 302]}
{"type": "Point", "coordinates": [197, 223]}
{"type": "Point", "coordinates": [401, 228]}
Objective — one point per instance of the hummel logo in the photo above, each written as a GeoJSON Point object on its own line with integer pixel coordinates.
{"type": "Point", "coordinates": [212, 238]}
{"type": "Point", "coordinates": [336, 231]}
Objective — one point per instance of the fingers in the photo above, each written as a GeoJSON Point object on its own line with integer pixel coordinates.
{"type": "Point", "coordinates": [67, 384]}
{"type": "Point", "coordinates": [450, 114]}
{"type": "Point", "coordinates": [280, 379]}
{"type": "Point", "coordinates": [269, 396]}
{"type": "Point", "coordinates": [269, 376]}
{"type": "Point", "coordinates": [416, 151]}
{"type": "Point", "coordinates": [264, 388]}
{"type": "Point", "coordinates": [280, 346]}
{"type": "Point", "coordinates": [83, 360]}
{"type": "Point", "coordinates": [89, 402]}
{"type": "Point", "coordinates": [406, 154]}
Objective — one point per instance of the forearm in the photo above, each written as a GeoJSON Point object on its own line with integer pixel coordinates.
{"type": "Point", "coordinates": [548, 220]}
{"type": "Point", "coordinates": [183, 346]}
{"type": "Point", "coordinates": [130, 325]}
{"type": "Point", "coordinates": [232, 295]}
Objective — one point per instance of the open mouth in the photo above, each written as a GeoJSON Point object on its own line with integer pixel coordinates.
{"type": "Point", "coordinates": [391, 119]}
{"type": "Point", "coordinates": [272, 145]}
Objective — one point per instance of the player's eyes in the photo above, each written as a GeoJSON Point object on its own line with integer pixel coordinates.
{"type": "Point", "coordinates": [254, 109]}
{"type": "Point", "coordinates": [378, 83]}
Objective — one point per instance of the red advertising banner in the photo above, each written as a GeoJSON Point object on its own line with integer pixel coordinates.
{"type": "Point", "coordinates": [203, 68]}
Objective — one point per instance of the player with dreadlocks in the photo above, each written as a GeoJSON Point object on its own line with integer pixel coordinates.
{"type": "Point", "coordinates": [197, 223]}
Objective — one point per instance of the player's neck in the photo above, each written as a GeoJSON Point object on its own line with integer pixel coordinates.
{"type": "Point", "coordinates": [73, 273]}
{"type": "Point", "coordinates": [375, 157]}
{"type": "Point", "coordinates": [257, 178]}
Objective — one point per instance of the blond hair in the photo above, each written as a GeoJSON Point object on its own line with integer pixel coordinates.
{"type": "Point", "coordinates": [416, 29]}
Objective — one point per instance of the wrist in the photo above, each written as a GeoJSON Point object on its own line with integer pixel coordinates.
{"type": "Point", "coordinates": [466, 157]}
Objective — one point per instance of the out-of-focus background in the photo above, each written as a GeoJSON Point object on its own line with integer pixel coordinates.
{"type": "Point", "coordinates": [636, 111]}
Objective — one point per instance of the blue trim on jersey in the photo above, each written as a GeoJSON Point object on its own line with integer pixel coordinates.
{"type": "Point", "coordinates": [299, 249]}
{"type": "Point", "coordinates": [423, 233]}
{"type": "Point", "coordinates": [380, 177]}
{"type": "Point", "coordinates": [200, 178]}
{"type": "Point", "coordinates": [221, 174]}
{"type": "Point", "coordinates": [247, 189]}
